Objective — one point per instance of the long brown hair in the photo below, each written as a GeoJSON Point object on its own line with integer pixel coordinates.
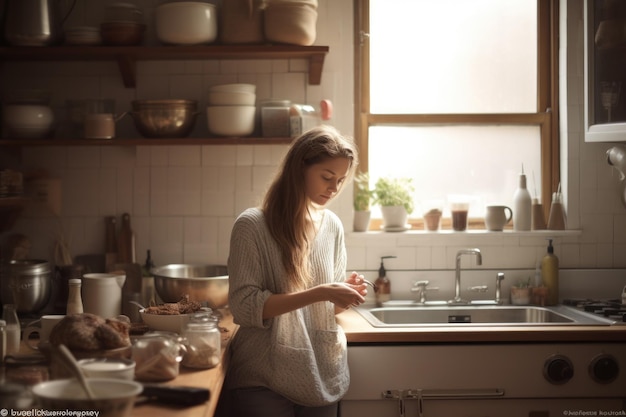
{"type": "Point", "coordinates": [286, 205]}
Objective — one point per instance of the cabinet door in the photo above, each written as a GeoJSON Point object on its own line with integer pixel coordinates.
{"type": "Point", "coordinates": [605, 53]}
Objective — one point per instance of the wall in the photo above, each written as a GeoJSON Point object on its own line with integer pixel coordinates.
{"type": "Point", "coordinates": [184, 199]}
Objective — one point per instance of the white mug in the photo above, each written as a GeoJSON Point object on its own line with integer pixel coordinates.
{"type": "Point", "coordinates": [42, 327]}
{"type": "Point", "coordinates": [497, 217]}
{"type": "Point", "coordinates": [102, 294]}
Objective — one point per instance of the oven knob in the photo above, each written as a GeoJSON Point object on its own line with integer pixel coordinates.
{"type": "Point", "coordinates": [604, 368]}
{"type": "Point", "coordinates": [558, 369]}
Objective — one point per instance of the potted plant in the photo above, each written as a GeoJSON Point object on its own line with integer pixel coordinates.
{"type": "Point", "coordinates": [362, 198]}
{"type": "Point", "coordinates": [394, 195]}
{"type": "Point", "coordinates": [520, 293]}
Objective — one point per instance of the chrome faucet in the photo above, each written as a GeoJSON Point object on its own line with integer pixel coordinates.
{"type": "Point", "coordinates": [420, 287]}
{"type": "Point", "coordinates": [457, 277]}
{"type": "Point", "coordinates": [499, 279]}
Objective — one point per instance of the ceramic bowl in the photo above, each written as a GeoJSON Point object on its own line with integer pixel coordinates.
{"type": "Point", "coordinates": [231, 120]}
{"type": "Point", "coordinates": [122, 33]}
{"type": "Point", "coordinates": [27, 120]}
{"type": "Point", "coordinates": [234, 88]}
{"type": "Point", "coordinates": [174, 323]}
{"type": "Point", "coordinates": [231, 98]}
{"type": "Point", "coordinates": [113, 397]}
{"type": "Point", "coordinates": [116, 368]}
{"type": "Point", "coordinates": [186, 23]}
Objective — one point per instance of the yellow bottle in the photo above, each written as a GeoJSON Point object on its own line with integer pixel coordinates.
{"type": "Point", "coordinates": [550, 275]}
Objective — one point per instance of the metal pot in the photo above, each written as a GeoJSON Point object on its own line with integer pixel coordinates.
{"type": "Point", "coordinates": [164, 118]}
{"type": "Point", "coordinates": [31, 22]}
{"type": "Point", "coordinates": [26, 283]}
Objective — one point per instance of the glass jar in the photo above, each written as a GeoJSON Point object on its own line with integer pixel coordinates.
{"type": "Point", "coordinates": [202, 336]}
{"type": "Point", "coordinates": [157, 356]}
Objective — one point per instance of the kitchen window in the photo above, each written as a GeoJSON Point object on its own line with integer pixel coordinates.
{"type": "Point", "coordinates": [459, 95]}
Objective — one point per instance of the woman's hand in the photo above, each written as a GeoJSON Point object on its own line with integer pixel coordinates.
{"type": "Point", "coordinates": [345, 295]}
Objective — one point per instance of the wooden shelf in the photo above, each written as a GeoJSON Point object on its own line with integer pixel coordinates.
{"type": "Point", "coordinates": [146, 141]}
{"type": "Point", "coordinates": [127, 56]}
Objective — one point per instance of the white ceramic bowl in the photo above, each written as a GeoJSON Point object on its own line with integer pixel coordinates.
{"type": "Point", "coordinates": [27, 120]}
{"type": "Point", "coordinates": [186, 23]}
{"type": "Point", "coordinates": [231, 98]}
{"type": "Point", "coordinates": [234, 88]}
{"type": "Point", "coordinates": [292, 23]}
{"type": "Point", "coordinates": [116, 368]}
{"type": "Point", "coordinates": [231, 120]}
{"type": "Point", "coordinates": [164, 322]}
{"type": "Point", "coordinates": [114, 397]}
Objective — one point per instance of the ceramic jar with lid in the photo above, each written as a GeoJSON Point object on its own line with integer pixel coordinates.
{"type": "Point", "coordinates": [202, 337]}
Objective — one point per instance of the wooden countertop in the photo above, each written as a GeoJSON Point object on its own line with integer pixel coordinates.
{"type": "Point", "coordinates": [358, 330]}
{"type": "Point", "coordinates": [212, 379]}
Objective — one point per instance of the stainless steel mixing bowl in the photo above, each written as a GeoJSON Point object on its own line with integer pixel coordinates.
{"type": "Point", "coordinates": [164, 118]}
{"type": "Point", "coordinates": [203, 283]}
{"type": "Point", "coordinates": [26, 283]}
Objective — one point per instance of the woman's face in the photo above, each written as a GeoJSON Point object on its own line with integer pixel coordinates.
{"type": "Point", "coordinates": [324, 180]}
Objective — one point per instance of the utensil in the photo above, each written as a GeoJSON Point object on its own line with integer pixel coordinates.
{"type": "Point", "coordinates": [69, 360]}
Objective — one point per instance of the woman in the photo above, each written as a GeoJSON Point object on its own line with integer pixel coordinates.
{"type": "Point", "coordinates": [287, 281]}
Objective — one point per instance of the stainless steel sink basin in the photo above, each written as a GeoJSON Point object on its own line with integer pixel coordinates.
{"type": "Point", "coordinates": [417, 316]}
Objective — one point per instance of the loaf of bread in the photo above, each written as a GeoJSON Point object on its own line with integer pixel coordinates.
{"type": "Point", "coordinates": [90, 332]}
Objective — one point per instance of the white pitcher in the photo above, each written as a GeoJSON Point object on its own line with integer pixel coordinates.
{"type": "Point", "coordinates": [102, 294]}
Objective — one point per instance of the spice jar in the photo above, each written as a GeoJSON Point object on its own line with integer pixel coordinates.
{"type": "Point", "coordinates": [202, 336]}
{"type": "Point", "coordinates": [157, 356]}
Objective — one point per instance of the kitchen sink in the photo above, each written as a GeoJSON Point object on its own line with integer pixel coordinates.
{"type": "Point", "coordinates": [503, 315]}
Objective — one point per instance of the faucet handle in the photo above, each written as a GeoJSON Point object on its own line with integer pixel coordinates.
{"type": "Point", "coordinates": [479, 288]}
{"type": "Point", "coordinates": [420, 284]}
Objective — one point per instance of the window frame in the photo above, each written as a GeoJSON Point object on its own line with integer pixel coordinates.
{"type": "Point", "coordinates": [546, 115]}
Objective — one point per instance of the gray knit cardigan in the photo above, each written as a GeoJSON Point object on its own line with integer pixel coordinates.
{"type": "Point", "coordinates": [302, 354]}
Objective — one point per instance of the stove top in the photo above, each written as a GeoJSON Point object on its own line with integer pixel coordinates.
{"type": "Point", "coordinates": [612, 309]}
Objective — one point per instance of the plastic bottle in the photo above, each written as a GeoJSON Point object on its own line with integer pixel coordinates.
{"type": "Point", "coordinates": [382, 283]}
{"type": "Point", "coordinates": [13, 329]}
{"type": "Point", "coordinates": [522, 205]}
{"type": "Point", "coordinates": [550, 275]}
{"type": "Point", "coordinates": [74, 298]}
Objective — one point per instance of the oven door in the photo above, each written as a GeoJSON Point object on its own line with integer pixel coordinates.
{"type": "Point", "coordinates": [473, 407]}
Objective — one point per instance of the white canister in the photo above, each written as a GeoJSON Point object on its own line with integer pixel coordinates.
{"type": "Point", "coordinates": [102, 294]}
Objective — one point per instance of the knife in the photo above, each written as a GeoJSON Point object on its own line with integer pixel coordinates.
{"type": "Point", "coordinates": [175, 395]}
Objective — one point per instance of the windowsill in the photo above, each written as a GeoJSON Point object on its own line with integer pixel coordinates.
{"type": "Point", "coordinates": [446, 233]}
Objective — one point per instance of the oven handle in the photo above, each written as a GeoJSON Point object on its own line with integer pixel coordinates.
{"type": "Point", "coordinates": [455, 393]}
{"type": "Point", "coordinates": [416, 394]}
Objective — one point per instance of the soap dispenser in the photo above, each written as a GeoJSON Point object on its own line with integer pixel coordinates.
{"type": "Point", "coordinates": [550, 275]}
{"type": "Point", "coordinates": [382, 283]}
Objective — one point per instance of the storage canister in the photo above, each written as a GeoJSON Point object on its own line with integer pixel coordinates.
{"type": "Point", "coordinates": [202, 336]}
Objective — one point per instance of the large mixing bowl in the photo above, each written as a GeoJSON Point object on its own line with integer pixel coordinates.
{"type": "Point", "coordinates": [26, 283]}
{"type": "Point", "coordinates": [164, 118]}
{"type": "Point", "coordinates": [202, 283]}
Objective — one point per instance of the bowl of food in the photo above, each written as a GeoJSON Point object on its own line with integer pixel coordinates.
{"type": "Point", "coordinates": [199, 282]}
{"type": "Point", "coordinates": [113, 397]}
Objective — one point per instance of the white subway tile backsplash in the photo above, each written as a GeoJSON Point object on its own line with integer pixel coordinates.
{"type": "Point", "coordinates": [184, 199]}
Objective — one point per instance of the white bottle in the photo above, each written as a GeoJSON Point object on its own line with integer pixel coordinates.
{"type": "Point", "coordinates": [522, 206]}
{"type": "Point", "coordinates": [13, 329]}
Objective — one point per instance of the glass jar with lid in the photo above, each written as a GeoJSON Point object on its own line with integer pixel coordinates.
{"type": "Point", "coordinates": [203, 340]}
